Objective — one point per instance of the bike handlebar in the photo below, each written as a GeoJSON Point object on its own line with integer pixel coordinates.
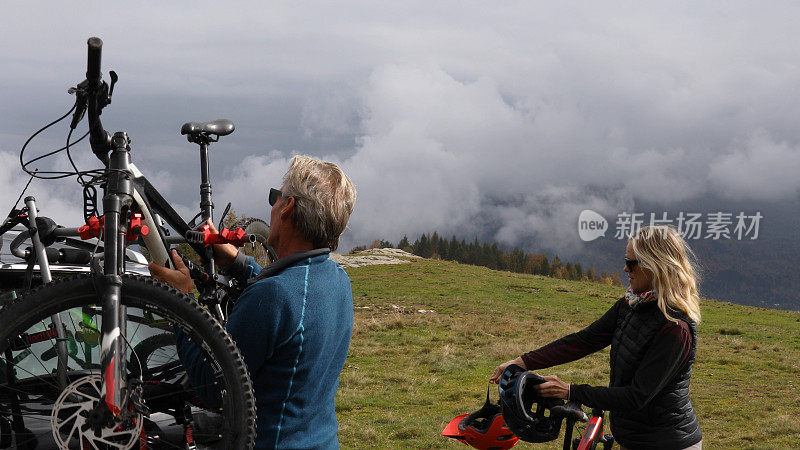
{"type": "Point", "coordinates": [571, 410]}
{"type": "Point", "coordinates": [93, 60]}
{"type": "Point", "coordinates": [97, 98]}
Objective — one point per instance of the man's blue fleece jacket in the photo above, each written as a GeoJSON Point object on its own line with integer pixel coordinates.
{"type": "Point", "coordinates": [293, 325]}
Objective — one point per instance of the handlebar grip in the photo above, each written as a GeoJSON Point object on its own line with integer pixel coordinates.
{"type": "Point", "coordinates": [53, 254]}
{"type": "Point", "coordinates": [74, 256]}
{"type": "Point", "coordinates": [195, 237]}
{"type": "Point", "coordinates": [66, 232]}
{"type": "Point", "coordinates": [67, 255]}
{"type": "Point", "coordinates": [93, 62]}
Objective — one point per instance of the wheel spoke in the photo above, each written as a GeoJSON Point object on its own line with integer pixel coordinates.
{"type": "Point", "coordinates": [38, 377]}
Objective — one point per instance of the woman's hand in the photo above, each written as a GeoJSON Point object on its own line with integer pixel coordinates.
{"type": "Point", "coordinates": [553, 387]}
{"type": "Point", "coordinates": [495, 378]}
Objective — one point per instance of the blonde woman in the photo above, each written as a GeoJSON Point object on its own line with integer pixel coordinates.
{"type": "Point", "coordinates": [653, 336]}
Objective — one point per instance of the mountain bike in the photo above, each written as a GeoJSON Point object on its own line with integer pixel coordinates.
{"type": "Point", "coordinates": [90, 362]}
{"type": "Point", "coordinates": [592, 435]}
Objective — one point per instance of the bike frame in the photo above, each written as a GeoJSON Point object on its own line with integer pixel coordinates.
{"type": "Point", "coordinates": [127, 189]}
{"type": "Point", "coordinates": [44, 269]}
{"type": "Point", "coordinates": [592, 434]}
{"type": "Point", "coordinates": [593, 431]}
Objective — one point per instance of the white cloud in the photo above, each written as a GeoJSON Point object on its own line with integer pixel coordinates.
{"type": "Point", "coordinates": [248, 186]}
{"type": "Point", "coordinates": [61, 200]}
{"type": "Point", "coordinates": [477, 118]}
{"type": "Point", "coordinates": [761, 170]}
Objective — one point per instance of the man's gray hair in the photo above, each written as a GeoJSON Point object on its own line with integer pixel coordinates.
{"type": "Point", "coordinates": [324, 199]}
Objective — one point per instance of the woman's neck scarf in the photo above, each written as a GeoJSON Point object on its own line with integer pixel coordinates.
{"type": "Point", "coordinates": [642, 297]}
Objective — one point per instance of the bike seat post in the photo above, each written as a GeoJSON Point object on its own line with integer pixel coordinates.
{"type": "Point", "coordinates": [206, 204]}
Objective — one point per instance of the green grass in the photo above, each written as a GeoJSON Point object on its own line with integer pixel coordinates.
{"type": "Point", "coordinates": [409, 372]}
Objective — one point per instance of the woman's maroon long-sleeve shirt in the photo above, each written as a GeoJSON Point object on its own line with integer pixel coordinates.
{"type": "Point", "coordinates": [669, 351]}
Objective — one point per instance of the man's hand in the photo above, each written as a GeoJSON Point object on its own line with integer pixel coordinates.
{"type": "Point", "coordinates": [553, 387]}
{"type": "Point", "coordinates": [224, 254]}
{"type": "Point", "coordinates": [179, 278]}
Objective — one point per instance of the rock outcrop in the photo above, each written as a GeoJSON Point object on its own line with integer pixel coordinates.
{"type": "Point", "coordinates": [374, 256]}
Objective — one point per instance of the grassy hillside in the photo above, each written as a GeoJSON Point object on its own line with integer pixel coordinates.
{"type": "Point", "coordinates": [428, 334]}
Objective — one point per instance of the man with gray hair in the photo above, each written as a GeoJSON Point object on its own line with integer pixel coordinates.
{"type": "Point", "coordinates": [294, 321]}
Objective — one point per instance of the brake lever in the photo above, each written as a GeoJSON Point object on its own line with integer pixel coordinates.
{"type": "Point", "coordinates": [80, 102]}
{"type": "Point", "coordinates": [81, 91]}
{"type": "Point", "coordinates": [225, 213]}
{"type": "Point", "coordinates": [114, 79]}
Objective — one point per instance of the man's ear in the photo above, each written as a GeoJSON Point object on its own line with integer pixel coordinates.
{"type": "Point", "coordinates": [287, 208]}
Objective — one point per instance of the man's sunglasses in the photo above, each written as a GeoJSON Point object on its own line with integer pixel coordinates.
{"type": "Point", "coordinates": [273, 196]}
{"type": "Point", "coordinates": [631, 263]}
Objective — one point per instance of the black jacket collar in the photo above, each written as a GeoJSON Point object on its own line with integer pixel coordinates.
{"type": "Point", "coordinates": [278, 266]}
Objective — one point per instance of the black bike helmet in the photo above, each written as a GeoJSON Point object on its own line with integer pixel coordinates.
{"type": "Point", "coordinates": [526, 414]}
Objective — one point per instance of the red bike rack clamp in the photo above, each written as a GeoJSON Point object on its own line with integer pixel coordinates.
{"type": "Point", "coordinates": [94, 228]}
{"type": "Point", "coordinates": [136, 228]}
{"type": "Point", "coordinates": [205, 236]}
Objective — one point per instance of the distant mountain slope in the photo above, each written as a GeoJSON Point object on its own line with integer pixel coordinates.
{"type": "Point", "coordinates": [763, 272]}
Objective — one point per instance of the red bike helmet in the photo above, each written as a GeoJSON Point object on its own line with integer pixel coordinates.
{"type": "Point", "coordinates": [483, 429]}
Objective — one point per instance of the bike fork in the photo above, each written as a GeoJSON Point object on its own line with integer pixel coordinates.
{"type": "Point", "coordinates": [116, 202]}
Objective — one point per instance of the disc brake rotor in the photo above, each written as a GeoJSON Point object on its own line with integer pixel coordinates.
{"type": "Point", "coordinates": [69, 419]}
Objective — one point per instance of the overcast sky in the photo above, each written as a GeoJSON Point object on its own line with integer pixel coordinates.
{"type": "Point", "coordinates": [498, 119]}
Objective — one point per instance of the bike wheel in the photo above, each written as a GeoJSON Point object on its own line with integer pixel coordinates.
{"type": "Point", "coordinates": [263, 252]}
{"type": "Point", "coordinates": [31, 401]}
{"type": "Point", "coordinates": [158, 357]}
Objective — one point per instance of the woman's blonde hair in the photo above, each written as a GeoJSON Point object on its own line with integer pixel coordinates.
{"type": "Point", "coordinates": [324, 199]}
{"type": "Point", "coordinates": [662, 251]}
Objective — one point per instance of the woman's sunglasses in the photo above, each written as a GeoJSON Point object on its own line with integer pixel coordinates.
{"type": "Point", "coordinates": [631, 263]}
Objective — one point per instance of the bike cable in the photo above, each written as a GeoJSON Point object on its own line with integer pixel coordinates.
{"type": "Point", "coordinates": [97, 175]}
{"type": "Point", "coordinates": [14, 208]}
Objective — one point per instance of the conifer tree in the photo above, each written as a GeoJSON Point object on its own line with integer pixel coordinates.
{"type": "Point", "coordinates": [454, 253]}
{"type": "Point", "coordinates": [404, 244]}
{"type": "Point", "coordinates": [545, 267]}
{"type": "Point", "coordinates": [555, 266]}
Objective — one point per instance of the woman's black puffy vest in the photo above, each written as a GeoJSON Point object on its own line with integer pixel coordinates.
{"type": "Point", "coordinates": [668, 418]}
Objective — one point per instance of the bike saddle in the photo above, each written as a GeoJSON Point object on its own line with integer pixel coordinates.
{"type": "Point", "coordinates": [219, 127]}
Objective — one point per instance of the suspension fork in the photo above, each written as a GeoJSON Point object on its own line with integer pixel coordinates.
{"type": "Point", "coordinates": [116, 204]}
